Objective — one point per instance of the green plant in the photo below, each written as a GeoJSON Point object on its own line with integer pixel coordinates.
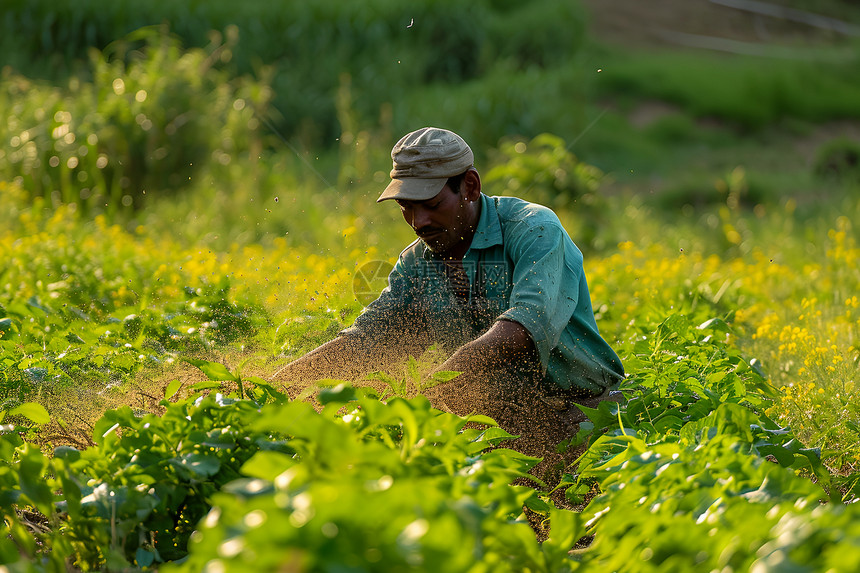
{"type": "Point", "coordinates": [709, 504]}
{"type": "Point", "coordinates": [686, 467]}
{"type": "Point", "coordinates": [136, 495]}
{"type": "Point", "coordinates": [544, 170]}
{"type": "Point", "coordinates": [384, 491]}
{"type": "Point", "coordinates": [315, 478]}
{"type": "Point", "coordinates": [151, 120]}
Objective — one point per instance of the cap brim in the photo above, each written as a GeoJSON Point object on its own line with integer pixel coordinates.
{"type": "Point", "coordinates": [413, 189]}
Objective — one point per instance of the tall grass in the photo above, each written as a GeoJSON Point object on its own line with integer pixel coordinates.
{"type": "Point", "coordinates": [388, 49]}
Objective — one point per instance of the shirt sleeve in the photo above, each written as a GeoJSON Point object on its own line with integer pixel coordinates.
{"type": "Point", "coordinates": [545, 287]}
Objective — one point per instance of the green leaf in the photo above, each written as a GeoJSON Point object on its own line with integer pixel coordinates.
{"type": "Point", "coordinates": [34, 302]}
{"type": "Point", "coordinates": [144, 557]}
{"type": "Point", "coordinates": [264, 389]}
{"type": "Point", "coordinates": [565, 528]}
{"type": "Point", "coordinates": [445, 375]}
{"type": "Point", "coordinates": [495, 435]}
{"type": "Point", "coordinates": [103, 428]}
{"type": "Point", "coordinates": [715, 324]}
{"type": "Point", "coordinates": [200, 464]}
{"type": "Point", "coordinates": [756, 365]}
{"type": "Point", "coordinates": [67, 453]}
{"type": "Point", "coordinates": [575, 494]}
{"type": "Point", "coordinates": [481, 419]}
{"type": "Point", "coordinates": [34, 412]}
{"type": "Point", "coordinates": [5, 326]}
{"type": "Point", "coordinates": [412, 370]}
{"type": "Point", "coordinates": [33, 478]}
{"type": "Point", "coordinates": [260, 382]}
{"type": "Point", "coordinates": [116, 561]}
{"type": "Point", "coordinates": [172, 389]}
{"type": "Point", "coordinates": [206, 385]}
{"type": "Point", "coordinates": [74, 338]}
{"type": "Point", "coordinates": [213, 370]}
{"type": "Point", "coordinates": [604, 416]}
{"type": "Point", "coordinates": [668, 422]}
{"type": "Point", "coordinates": [537, 504]}
{"type": "Point", "coordinates": [782, 455]}
{"type": "Point", "coordinates": [396, 386]}
{"type": "Point", "coordinates": [267, 465]}
{"type": "Point", "coordinates": [339, 394]}
{"type": "Point", "coordinates": [248, 488]}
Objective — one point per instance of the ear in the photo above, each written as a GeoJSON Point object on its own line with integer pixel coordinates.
{"type": "Point", "coordinates": [472, 185]}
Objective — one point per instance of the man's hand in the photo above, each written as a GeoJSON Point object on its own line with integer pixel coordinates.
{"type": "Point", "coordinates": [505, 344]}
{"type": "Point", "coordinates": [499, 357]}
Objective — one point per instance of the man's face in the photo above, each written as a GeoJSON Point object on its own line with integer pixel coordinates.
{"type": "Point", "coordinates": [445, 222]}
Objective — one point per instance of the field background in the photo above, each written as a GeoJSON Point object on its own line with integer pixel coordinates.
{"type": "Point", "coordinates": [191, 184]}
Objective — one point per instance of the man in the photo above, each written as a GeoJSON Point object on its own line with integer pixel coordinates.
{"type": "Point", "coordinates": [494, 281]}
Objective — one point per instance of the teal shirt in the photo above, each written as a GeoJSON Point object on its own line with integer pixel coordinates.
{"type": "Point", "coordinates": [522, 266]}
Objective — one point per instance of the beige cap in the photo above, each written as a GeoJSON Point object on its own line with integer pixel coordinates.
{"type": "Point", "coordinates": [423, 161]}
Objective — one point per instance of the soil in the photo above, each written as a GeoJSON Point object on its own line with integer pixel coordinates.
{"type": "Point", "coordinates": [81, 407]}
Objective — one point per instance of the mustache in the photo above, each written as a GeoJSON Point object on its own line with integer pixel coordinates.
{"type": "Point", "coordinates": [426, 231]}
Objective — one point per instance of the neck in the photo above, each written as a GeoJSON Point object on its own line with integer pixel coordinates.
{"type": "Point", "coordinates": [458, 251]}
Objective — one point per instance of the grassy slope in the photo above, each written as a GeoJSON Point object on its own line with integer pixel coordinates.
{"type": "Point", "coordinates": [653, 145]}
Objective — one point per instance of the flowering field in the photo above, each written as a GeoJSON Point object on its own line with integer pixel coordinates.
{"type": "Point", "coordinates": [798, 318]}
{"type": "Point", "coordinates": [741, 422]}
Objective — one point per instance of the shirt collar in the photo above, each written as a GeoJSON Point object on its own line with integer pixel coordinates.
{"type": "Point", "coordinates": [489, 231]}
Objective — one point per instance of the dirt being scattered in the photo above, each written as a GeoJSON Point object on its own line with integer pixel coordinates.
{"type": "Point", "coordinates": [74, 411]}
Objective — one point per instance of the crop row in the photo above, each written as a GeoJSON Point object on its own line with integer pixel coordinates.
{"type": "Point", "coordinates": [690, 471]}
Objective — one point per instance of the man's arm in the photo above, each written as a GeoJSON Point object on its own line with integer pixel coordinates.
{"type": "Point", "coordinates": [334, 359]}
{"type": "Point", "coordinates": [346, 358]}
{"type": "Point", "coordinates": [343, 358]}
